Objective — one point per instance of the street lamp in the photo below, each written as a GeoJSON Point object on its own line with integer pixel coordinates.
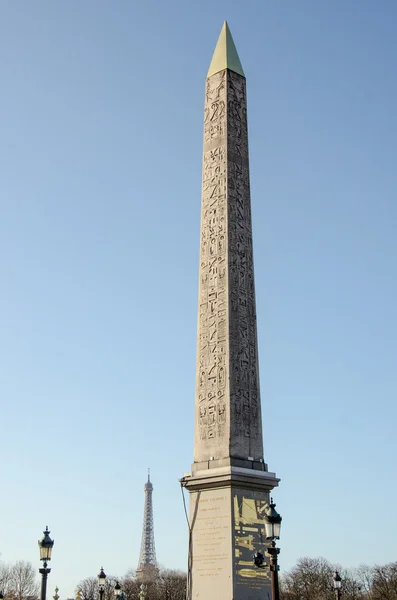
{"type": "Point", "coordinates": [337, 585]}
{"type": "Point", "coordinates": [119, 594]}
{"type": "Point", "coordinates": [272, 522]}
{"type": "Point", "coordinates": [101, 582]}
{"type": "Point", "coordinates": [272, 529]}
{"type": "Point", "coordinates": [45, 544]}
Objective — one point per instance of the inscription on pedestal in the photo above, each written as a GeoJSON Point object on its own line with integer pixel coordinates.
{"type": "Point", "coordinates": [211, 533]}
{"type": "Point", "coordinates": [211, 540]}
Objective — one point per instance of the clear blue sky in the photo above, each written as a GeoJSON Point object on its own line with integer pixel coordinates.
{"type": "Point", "coordinates": [101, 115]}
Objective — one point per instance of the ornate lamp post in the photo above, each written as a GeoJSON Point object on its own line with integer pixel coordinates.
{"type": "Point", "coordinates": [56, 596]}
{"type": "Point", "coordinates": [272, 529]}
{"type": "Point", "coordinates": [45, 544]}
{"type": "Point", "coordinates": [337, 585]}
{"type": "Point", "coordinates": [101, 582]}
{"type": "Point", "coordinates": [142, 593]}
{"type": "Point", "coordinates": [118, 593]}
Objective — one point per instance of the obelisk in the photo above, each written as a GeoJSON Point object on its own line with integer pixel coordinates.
{"type": "Point", "coordinates": [229, 482]}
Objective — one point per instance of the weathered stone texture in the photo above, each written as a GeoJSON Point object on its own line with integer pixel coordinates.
{"type": "Point", "coordinates": [228, 411]}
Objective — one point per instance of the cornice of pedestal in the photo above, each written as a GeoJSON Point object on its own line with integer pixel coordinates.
{"type": "Point", "coordinates": [229, 476]}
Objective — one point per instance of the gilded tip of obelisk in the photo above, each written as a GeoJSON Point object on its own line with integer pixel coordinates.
{"type": "Point", "coordinates": [225, 55]}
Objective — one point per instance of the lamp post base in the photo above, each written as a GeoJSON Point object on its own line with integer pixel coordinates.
{"type": "Point", "coordinates": [274, 568]}
{"type": "Point", "coordinates": [44, 573]}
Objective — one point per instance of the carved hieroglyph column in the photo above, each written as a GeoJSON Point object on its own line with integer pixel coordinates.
{"type": "Point", "coordinates": [229, 482]}
{"type": "Point", "coordinates": [228, 419]}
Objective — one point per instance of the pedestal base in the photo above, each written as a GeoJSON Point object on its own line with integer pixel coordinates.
{"type": "Point", "coordinates": [227, 507]}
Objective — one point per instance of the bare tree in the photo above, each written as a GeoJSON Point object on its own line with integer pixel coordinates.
{"type": "Point", "coordinates": [364, 574]}
{"type": "Point", "coordinates": [130, 586]}
{"type": "Point", "coordinates": [21, 581]}
{"type": "Point", "coordinates": [172, 585]}
{"type": "Point", "coordinates": [110, 583]}
{"type": "Point", "coordinates": [165, 585]}
{"type": "Point", "coordinates": [353, 589]}
{"type": "Point", "coordinates": [312, 579]}
{"type": "Point", "coordinates": [384, 583]}
{"type": "Point", "coordinates": [5, 579]}
{"type": "Point", "coordinates": [88, 588]}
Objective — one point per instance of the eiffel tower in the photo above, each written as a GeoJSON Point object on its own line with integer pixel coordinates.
{"type": "Point", "coordinates": [147, 566]}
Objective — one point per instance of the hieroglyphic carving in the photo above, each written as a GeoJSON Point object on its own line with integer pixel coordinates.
{"type": "Point", "coordinates": [227, 395]}
{"type": "Point", "coordinates": [212, 330]}
{"type": "Point", "coordinates": [244, 379]}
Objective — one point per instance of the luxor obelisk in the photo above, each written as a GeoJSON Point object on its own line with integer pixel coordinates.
{"type": "Point", "coordinates": [229, 483]}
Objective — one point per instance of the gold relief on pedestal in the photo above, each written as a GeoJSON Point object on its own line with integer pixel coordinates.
{"type": "Point", "coordinates": [249, 537]}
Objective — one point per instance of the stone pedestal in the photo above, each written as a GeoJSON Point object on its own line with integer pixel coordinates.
{"type": "Point", "coordinates": [227, 506]}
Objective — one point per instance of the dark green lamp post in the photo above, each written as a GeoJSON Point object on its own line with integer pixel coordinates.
{"type": "Point", "coordinates": [272, 529]}
{"type": "Point", "coordinates": [101, 583]}
{"type": "Point", "coordinates": [45, 545]}
{"type": "Point", "coordinates": [337, 585]}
